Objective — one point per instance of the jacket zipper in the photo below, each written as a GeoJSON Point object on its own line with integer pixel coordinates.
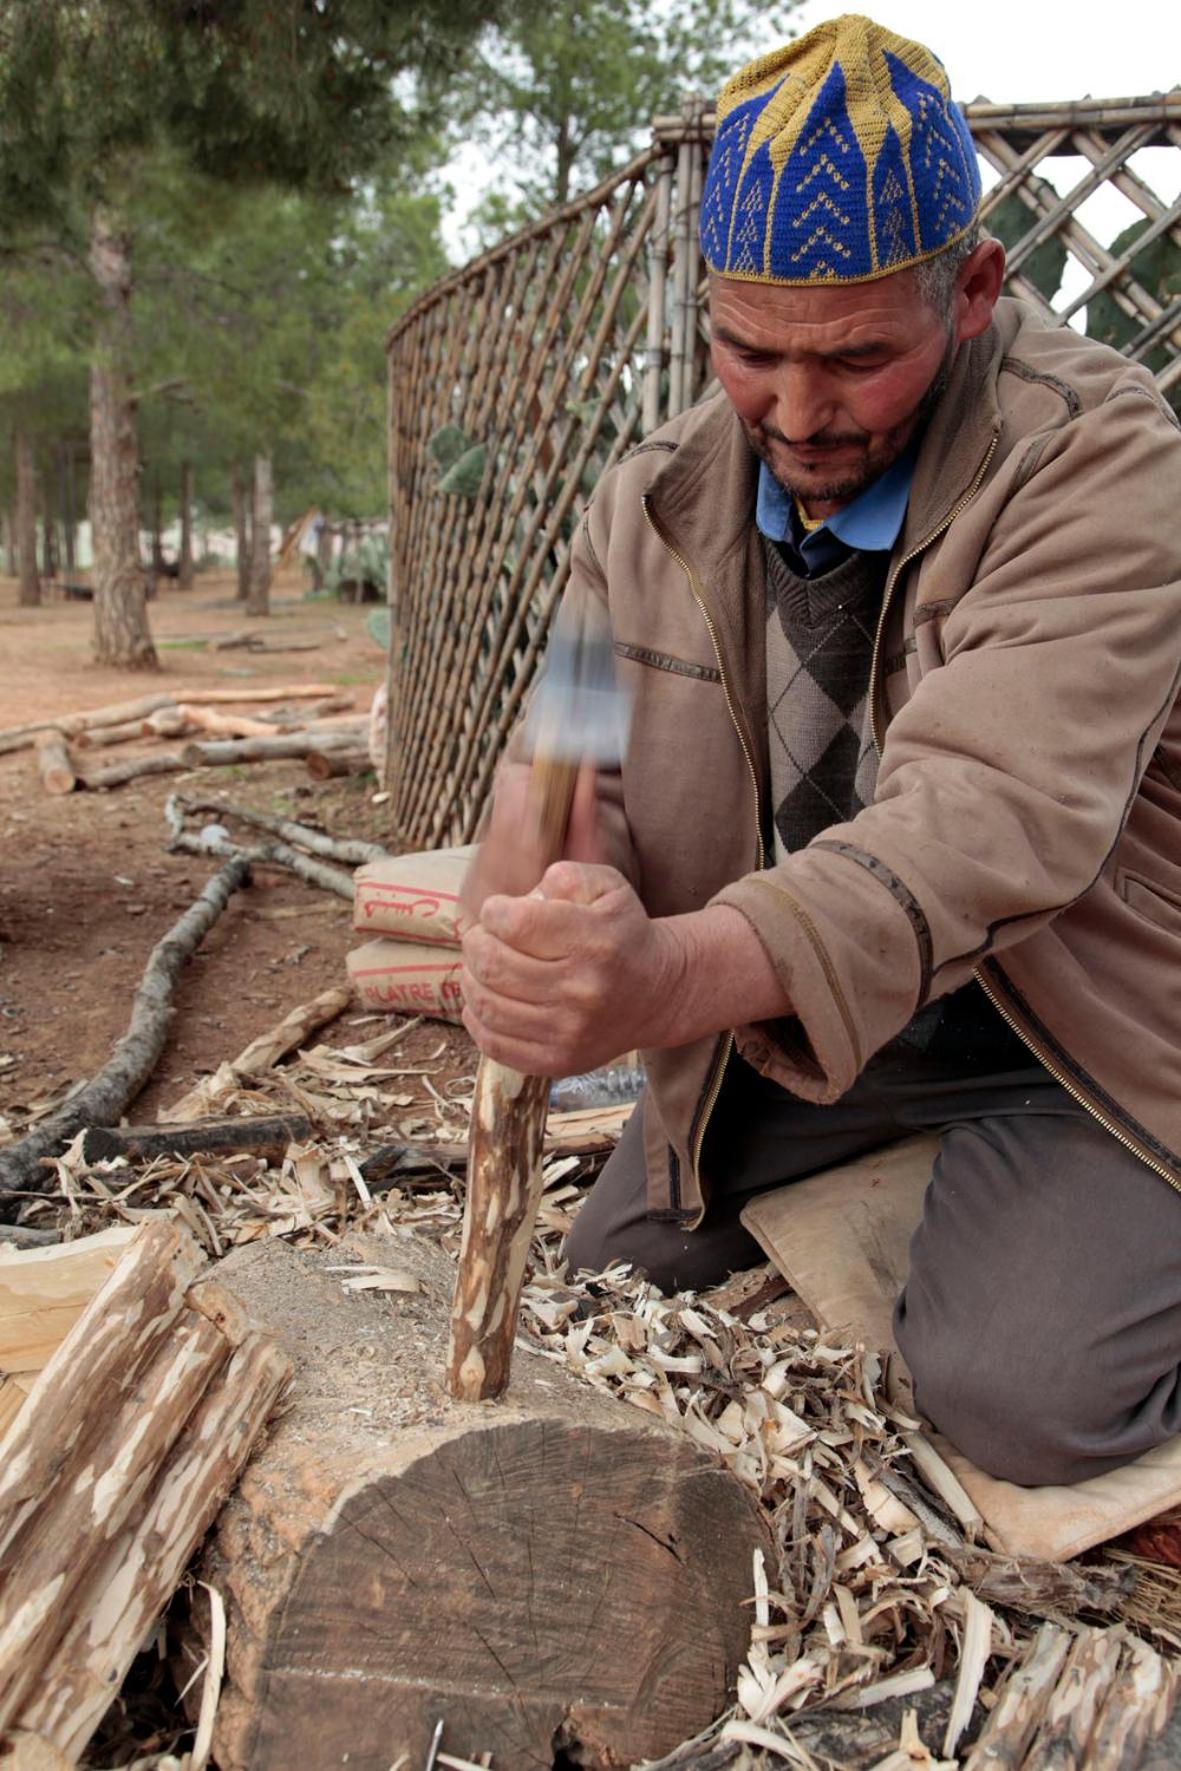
{"type": "Point", "coordinates": [1012, 1020]}
{"type": "Point", "coordinates": [726, 1044]}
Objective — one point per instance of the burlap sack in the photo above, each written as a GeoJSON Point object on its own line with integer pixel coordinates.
{"type": "Point", "coordinates": [841, 1239]}
{"type": "Point", "coordinates": [407, 977]}
{"type": "Point", "coordinates": [412, 897]}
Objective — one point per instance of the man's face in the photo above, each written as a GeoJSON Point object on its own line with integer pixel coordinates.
{"type": "Point", "coordinates": [830, 381]}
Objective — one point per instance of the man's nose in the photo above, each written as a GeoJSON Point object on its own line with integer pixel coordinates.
{"type": "Point", "coordinates": [802, 403]}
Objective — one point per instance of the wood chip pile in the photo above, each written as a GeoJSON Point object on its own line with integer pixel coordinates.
{"type": "Point", "coordinates": [879, 1598]}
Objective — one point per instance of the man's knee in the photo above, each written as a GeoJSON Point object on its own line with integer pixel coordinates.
{"type": "Point", "coordinates": [1030, 1414]}
{"type": "Point", "coordinates": [660, 1252]}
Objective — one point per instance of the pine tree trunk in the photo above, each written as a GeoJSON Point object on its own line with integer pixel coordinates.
{"type": "Point", "coordinates": [258, 599]}
{"type": "Point", "coordinates": [241, 535]}
{"type": "Point", "coordinates": [66, 488]}
{"type": "Point", "coordinates": [185, 581]}
{"type": "Point", "coordinates": [157, 529]}
{"type": "Point", "coordinates": [121, 632]}
{"type": "Point", "coordinates": [9, 521]}
{"type": "Point", "coordinates": [26, 522]}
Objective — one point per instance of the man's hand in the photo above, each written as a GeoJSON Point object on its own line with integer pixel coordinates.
{"type": "Point", "coordinates": [511, 858]}
{"type": "Point", "coordinates": [577, 972]}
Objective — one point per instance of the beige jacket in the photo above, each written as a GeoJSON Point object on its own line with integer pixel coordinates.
{"type": "Point", "coordinates": [1027, 823]}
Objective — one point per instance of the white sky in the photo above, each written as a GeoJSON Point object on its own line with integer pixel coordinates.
{"type": "Point", "coordinates": [1010, 51]}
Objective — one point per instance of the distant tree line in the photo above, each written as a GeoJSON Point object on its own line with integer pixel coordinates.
{"type": "Point", "coordinates": [212, 210]}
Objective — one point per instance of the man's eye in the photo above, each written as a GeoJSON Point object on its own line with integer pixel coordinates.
{"type": "Point", "coordinates": [861, 365]}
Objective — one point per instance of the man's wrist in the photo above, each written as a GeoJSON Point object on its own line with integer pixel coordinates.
{"type": "Point", "coordinates": [722, 977]}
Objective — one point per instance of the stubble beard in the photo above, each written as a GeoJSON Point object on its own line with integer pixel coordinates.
{"type": "Point", "coordinates": [878, 456]}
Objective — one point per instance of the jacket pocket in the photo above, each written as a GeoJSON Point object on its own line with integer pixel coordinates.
{"type": "Point", "coordinates": [1155, 903]}
{"type": "Point", "coordinates": [702, 673]}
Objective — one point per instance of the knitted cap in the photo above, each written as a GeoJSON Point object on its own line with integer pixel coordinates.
{"type": "Point", "coordinates": [838, 158]}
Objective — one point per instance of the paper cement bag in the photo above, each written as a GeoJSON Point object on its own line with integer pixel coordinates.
{"type": "Point", "coordinates": [412, 897]}
{"type": "Point", "coordinates": [407, 977]}
{"type": "Point", "coordinates": [840, 1238]}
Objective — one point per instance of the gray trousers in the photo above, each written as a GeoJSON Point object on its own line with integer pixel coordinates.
{"type": "Point", "coordinates": [1041, 1319]}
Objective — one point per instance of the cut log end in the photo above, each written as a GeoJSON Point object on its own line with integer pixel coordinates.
{"type": "Point", "coordinates": [560, 1571]}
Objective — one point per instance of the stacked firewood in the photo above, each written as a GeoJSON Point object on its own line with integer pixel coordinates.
{"type": "Point", "coordinates": [313, 721]}
{"type": "Point", "coordinates": [134, 1429]}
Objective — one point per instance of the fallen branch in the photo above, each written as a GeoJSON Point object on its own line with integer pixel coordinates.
{"type": "Point", "coordinates": [125, 733]}
{"type": "Point", "coordinates": [352, 853]}
{"type": "Point", "coordinates": [269, 854]}
{"type": "Point", "coordinates": [107, 1095]}
{"type": "Point", "coordinates": [268, 1137]}
{"type": "Point", "coordinates": [24, 1236]}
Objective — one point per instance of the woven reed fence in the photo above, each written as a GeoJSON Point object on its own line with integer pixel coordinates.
{"type": "Point", "coordinates": [518, 380]}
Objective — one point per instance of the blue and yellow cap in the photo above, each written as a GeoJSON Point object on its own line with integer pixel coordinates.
{"type": "Point", "coordinates": [839, 158]}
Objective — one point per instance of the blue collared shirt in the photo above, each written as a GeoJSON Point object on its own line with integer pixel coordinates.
{"type": "Point", "coordinates": [872, 520]}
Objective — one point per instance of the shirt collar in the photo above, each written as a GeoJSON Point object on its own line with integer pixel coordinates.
{"type": "Point", "coordinates": [871, 521]}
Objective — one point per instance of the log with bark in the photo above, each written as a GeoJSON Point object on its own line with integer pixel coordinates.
{"type": "Point", "coordinates": [72, 724]}
{"type": "Point", "coordinates": [136, 768]}
{"type": "Point", "coordinates": [220, 752]}
{"type": "Point", "coordinates": [123, 1450]}
{"type": "Point", "coordinates": [268, 1136]}
{"type": "Point", "coordinates": [235, 697]}
{"type": "Point", "coordinates": [333, 765]}
{"type": "Point", "coordinates": [224, 725]}
{"type": "Point", "coordinates": [55, 764]}
{"type": "Point", "coordinates": [107, 1095]}
{"type": "Point", "coordinates": [560, 1574]}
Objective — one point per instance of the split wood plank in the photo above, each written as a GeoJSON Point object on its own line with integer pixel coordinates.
{"type": "Point", "coordinates": [43, 1291]}
{"type": "Point", "coordinates": [235, 697]}
{"type": "Point", "coordinates": [126, 1588]}
{"type": "Point", "coordinates": [143, 1295]}
{"type": "Point", "coordinates": [94, 1496]}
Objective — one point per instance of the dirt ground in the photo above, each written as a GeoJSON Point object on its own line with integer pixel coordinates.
{"type": "Point", "coordinates": [86, 886]}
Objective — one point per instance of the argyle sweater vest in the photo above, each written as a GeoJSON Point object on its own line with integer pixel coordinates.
{"type": "Point", "coordinates": [820, 634]}
{"type": "Point", "coordinates": [824, 765]}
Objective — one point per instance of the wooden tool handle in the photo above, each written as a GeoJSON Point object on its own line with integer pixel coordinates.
{"type": "Point", "coordinates": [504, 1179]}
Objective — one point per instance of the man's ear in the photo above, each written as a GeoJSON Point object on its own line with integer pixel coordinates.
{"type": "Point", "coordinates": [977, 288]}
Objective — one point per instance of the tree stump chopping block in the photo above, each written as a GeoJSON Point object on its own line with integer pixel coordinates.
{"type": "Point", "coordinates": [554, 1571]}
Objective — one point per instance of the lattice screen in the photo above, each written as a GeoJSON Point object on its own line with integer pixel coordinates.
{"type": "Point", "coordinates": [519, 379]}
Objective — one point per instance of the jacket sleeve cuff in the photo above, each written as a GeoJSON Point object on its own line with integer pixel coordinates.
{"type": "Point", "coordinates": [848, 996]}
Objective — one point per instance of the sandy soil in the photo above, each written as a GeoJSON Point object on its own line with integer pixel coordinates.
{"type": "Point", "coordinates": [86, 886]}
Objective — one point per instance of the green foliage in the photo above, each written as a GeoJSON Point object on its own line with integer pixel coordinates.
{"type": "Point", "coordinates": [377, 624]}
{"type": "Point", "coordinates": [446, 446]}
{"type": "Point", "coordinates": [463, 477]}
{"type": "Point", "coordinates": [308, 93]}
{"type": "Point", "coordinates": [569, 90]}
{"type": "Point", "coordinates": [1011, 220]}
{"type": "Point", "coordinates": [1158, 269]}
{"type": "Point", "coordinates": [367, 563]}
